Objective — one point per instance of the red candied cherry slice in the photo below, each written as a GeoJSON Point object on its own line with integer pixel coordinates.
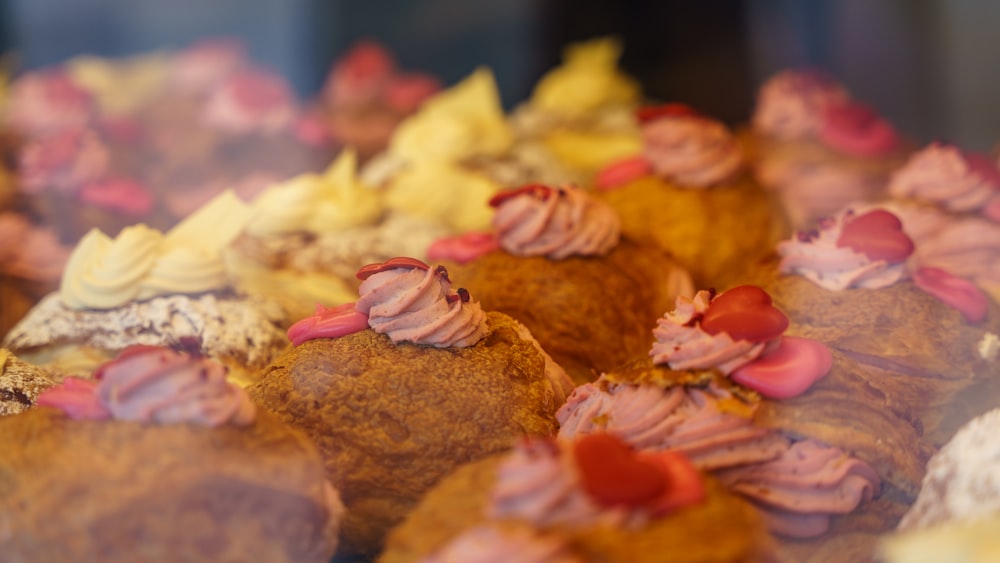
{"type": "Point", "coordinates": [613, 475]}
{"type": "Point", "coordinates": [646, 114]}
{"type": "Point", "coordinates": [686, 485]}
{"type": "Point", "coordinates": [619, 173]}
{"type": "Point", "coordinates": [788, 370]}
{"type": "Point", "coordinates": [538, 191]}
{"type": "Point", "coordinates": [745, 313]}
{"type": "Point", "coordinates": [391, 264]}
{"type": "Point", "coordinates": [984, 167]}
{"type": "Point", "coordinates": [878, 235]}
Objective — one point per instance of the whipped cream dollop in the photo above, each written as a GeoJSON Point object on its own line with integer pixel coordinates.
{"type": "Point", "coordinates": [63, 161]}
{"type": "Point", "coordinates": [945, 175]}
{"type": "Point", "coordinates": [490, 544]}
{"type": "Point", "coordinates": [45, 101]}
{"type": "Point", "coordinates": [835, 261]}
{"type": "Point", "coordinates": [154, 384]}
{"type": "Point", "coordinates": [801, 490]}
{"type": "Point", "coordinates": [251, 101]}
{"type": "Point", "coordinates": [462, 121]}
{"type": "Point", "coordinates": [558, 223]}
{"type": "Point", "coordinates": [410, 302]}
{"type": "Point", "coordinates": [444, 193]}
{"type": "Point", "coordinates": [700, 423]}
{"type": "Point", "coordinates": [141, 263]}
{"type": "Point", "coordinates": [791, 104]}
{"type": "Point", "coordinates": [691, 149]}
{"type": "Point", "coordinates": [317, 203]}
{"type": "Point", "coordinates": [588, 81]}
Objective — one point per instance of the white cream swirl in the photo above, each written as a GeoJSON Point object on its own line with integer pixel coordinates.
{"type": "Point", "coordinates": [692, 150]}
{"type": "Point", "coordinates": [557, 223]}
{"type": "Point", "coordinates": [103, 273]}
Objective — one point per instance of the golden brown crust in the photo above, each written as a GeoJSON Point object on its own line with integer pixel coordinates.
{"type": "Point", "coordinates": [391, 419]}
{"type": "Point", "coordinates": [20, 383]}
{"type": "Point", "coordinates": [721, 529]}
{"type": "Point", "coordinates": [713, 232]}
{"type": "Point", "coordinates": [591, 314]}
{"type": "Point", "coordinates": [125, 491]}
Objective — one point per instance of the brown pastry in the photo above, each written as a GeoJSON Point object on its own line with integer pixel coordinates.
{"type": "Point", "coordinates": [20, 383]}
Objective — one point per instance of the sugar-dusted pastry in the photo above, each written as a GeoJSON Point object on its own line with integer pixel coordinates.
{"type": "Point", "coordinates": [147, 287]}
{"type": "Point", "coordinates": [20, 383]}
{"type": "Point", "coordinates": [690, 193]}
{"type": "Point", "coordinates": [308, 236]}
{"type": "Point", "coordinates": [404, 385]}
{"type": "Point", "coordinates": [592, 499]}
{"type": "Point", "coordinates": [557, 263]}
{"type": "Point", "coordinates": [159, 458]}
{"type": "Point", "coordinates": [582, 110]}
{"type": "Point", "coordinates": [816, 148]}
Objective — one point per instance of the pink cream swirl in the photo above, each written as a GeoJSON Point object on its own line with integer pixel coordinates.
{"type": "Point", "coordinates": [802, 489]}
{"type": "Point", "coordinates": [557, 223]}
{"type": "Point", "coordinates": [490, 544]}
{"type": "Point", "coordinates": [791, 104]}
{"type": "Point", "coordinates": [822, 256]}
{"type": "Point", "coordinates": [946, 176]}
{"type": "Point", "coordinates": [46, 101]}
{"type": "Point", "coordinates": [691, 150]}
{"type": "Point", "coordinates": [416, 304]}
{"type": "Point", "coordinates": [690, 421]}
{"type": "Point", "coordinates": [155, 384]}
{"type": "Point", "coordinates": [251, 101]}
{"type": "Point", "coordinates": [63, 161]}
{"type": "Point", "coordinates": [968, 248]}
{"type": "Point", "coordinates": [682, 344]}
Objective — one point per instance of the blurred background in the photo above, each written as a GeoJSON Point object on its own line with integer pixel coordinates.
{"type": "Point", "coordinates": [926, 65]}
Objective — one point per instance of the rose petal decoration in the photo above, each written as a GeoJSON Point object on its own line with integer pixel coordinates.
{"type": "Point", "coordinates": [613, 475]}
{"type": "Point", "coordinates": [854, 128]}
{"type": "Point", "coordinates": [878, 235]}
{"type": "Point", "coordinates": [331, 322]}
{"type": "Point", "coordinates": [77, 398]}
{"type": "Point", "coordinates": [788, 370]}
{"type": "Point", "coordinates": [463, 248]}
{"type": "Point", "coordinates": [652, 113]}
{"type": "Point", "coordinates": [399, 262]}
{"type": "Point", "coordinates": [954, 291]}
{"type": "Point", "coordinates": [539, 191]}
{"type": "Point", "coordinates": [745, 313]}
{"type": "Point", "coordinates": [619, 173]}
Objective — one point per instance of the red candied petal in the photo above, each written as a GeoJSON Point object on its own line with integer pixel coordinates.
{"type": "Point", "coordinates": [367, 59]}
{"type": "Point", "coordinates": [463, 248]}
{"type": "Point", "coordinates": [954, 291]}
{"type": "Point", "coordinates": [77, 398]}
{"type": "Point", "coordinates": [540, 191]}
{"type": "Point", "coordinates": [399, 262]}
{"type": "Point", "coordinates": [878, 235]}
{"type": "Point", "coordinates": [405, 92]}
{"type": "Point", "coordinates": [686, 487]}
{"type": "Point", "coordinates": [856, 129]}
{"type": "Point", "coordinates": [646, 114]}
{"type": "Point", "coordinates": [788, 370]}
{"type": "Point", "coordinates": [622, 172]}
{"type": "Point", "coordinates": [984, 167]}
{"type": "Point", "coordinates": [328, 323]}
{"type": "Point", "coordinates": [613, 475]}
{"type": "Point", "coordinates": [745, 313]}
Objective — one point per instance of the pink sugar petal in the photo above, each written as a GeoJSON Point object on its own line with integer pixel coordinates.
{"type": "Point", "coordinates": [788, 370]}
{"type": "Point", "coordinates": [77, 398]}
{"type": "Point", "coordinates": [463, 248]}
{"type": "Point", "coordinates": [619, 173]}
{"type": "Point", "coordinates": [328, 323]}
{"type": "Point", "coordinates": [954, 291]}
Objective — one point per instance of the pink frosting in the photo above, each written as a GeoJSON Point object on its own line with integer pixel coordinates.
{"type": "Point", "coordinates": [418, 306]}
{"type": "Point", "coordinates": [955, 291]}
{"type": "Point", "coordinates": [791, 105]}
{"type": "Point", "coordinates": [617, 174]}
{"type": "Point", "coordinates": [204, 64]}
{"type": "Point", "coordinates": [691, 150]}
{"type": "Point", "coordinates": [251, 101]}
{"type": "Point", "coordinates": [944, 175]}
{"type": "Point", "coordinates": [45, 101]}
{"type": "Point", "coordinates": [682, 344]}
{"type": "Point", "coordinates": [787, 370]}
{"type": "Point", "coordinates": [156, 384]}
{"type": "Point", "coordinates": [38, 254]}
{"type": "Point", "coordinates": [819, 257]}
{"type": "Point", "coordinates": [966, 247]}
{"type": "Point", "coordinates": [63, 161]}
{"type": "Point", "coordinates": [855, 129]}
{"type": "Point", "coordinates": [554, 222]}
{"type": "Point", "coordinates": [489, 544]}
{"type": "Point", "coordinates": [332, 322]}
{"type": "Point", "coordinates": [123, 195]}
{"type": "Point", "coordinates": [687, 420]}
{"type": "Point", "coordinates": [799, 491]}
{"type": "Point", "coordinates": [463, 248]}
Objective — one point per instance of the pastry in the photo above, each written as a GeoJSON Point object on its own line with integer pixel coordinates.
{"type": "Point", "coordinates": [186, 468]}
{"type": "Point", "coordinates": [402, 386]}
{"type": "Point", "coordinates": [20, 384]}
{"type": "Point", "coordinates": [29, 269]}
{"type": "Point", "coordinates": [557, 263]}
